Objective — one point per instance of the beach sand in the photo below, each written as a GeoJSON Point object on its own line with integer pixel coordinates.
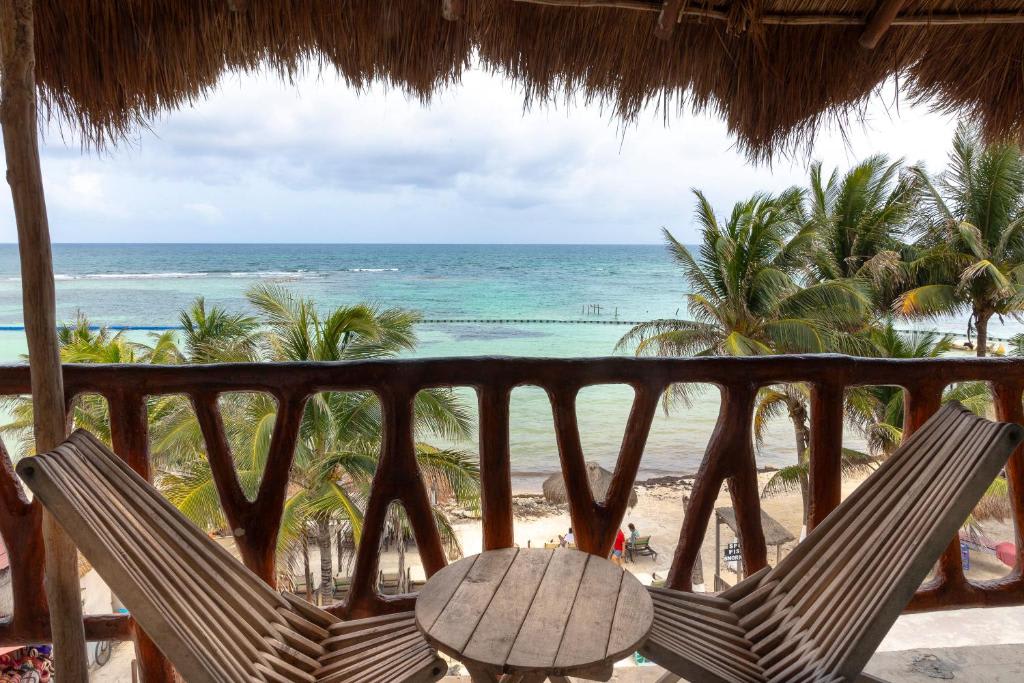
{"type": "Point", "coordinates": [658, 513]}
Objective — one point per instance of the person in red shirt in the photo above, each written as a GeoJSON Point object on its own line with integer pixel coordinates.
{"type": "Point", "coordinates": [619, 548]}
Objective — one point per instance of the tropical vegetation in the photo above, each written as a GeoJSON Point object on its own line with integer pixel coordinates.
{"type": "Point", "coordinates": [839, 266]}
{"type": "Point", "coordinates": [339, 436]}
{"type": "Point", "coordinates": [971, 236]}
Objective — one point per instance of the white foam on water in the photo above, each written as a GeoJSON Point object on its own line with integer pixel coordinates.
{"type": "Point", "coordinates": [255, 274]}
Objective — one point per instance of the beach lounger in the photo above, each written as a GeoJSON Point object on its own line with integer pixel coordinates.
{"type": "Point", "coordinates": [821, 612]}
{"type": "Point", "coordinates": [389, 583]}
{"type": "Point", "coordinates": [211, 617]}
{"type": "Point", "coordinates": [641, 547]}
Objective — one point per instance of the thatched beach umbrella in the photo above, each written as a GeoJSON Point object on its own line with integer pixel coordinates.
{"type": "Point", "coordinates": [600, 480]}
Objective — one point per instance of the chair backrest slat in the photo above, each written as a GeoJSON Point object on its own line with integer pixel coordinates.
{"type": "Point", "coordinates": [189, 594]}
{"type": "Point", "coordinates": [151, 567]}
{"type": "Point", "coordinates": [833, 598]}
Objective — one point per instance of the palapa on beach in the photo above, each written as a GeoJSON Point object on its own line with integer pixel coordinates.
{"type": "Point", "coordinates": [773, 69]}
{"type": "Point", "coordinates": [600, 480]}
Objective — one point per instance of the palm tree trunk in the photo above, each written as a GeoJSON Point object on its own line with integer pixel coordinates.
{"type": "Point", "coordinates": [802, 434]}
{"type": "Point", "coordinates": [981, 325]}
{"type": "Point", "coordinates": [323, 540]}
{"type": "Point", "coordinates": [306, 574]}
{"type": "Point", "coordinates": [805, 494]}
{"type": "Point", "coordinates": [798, 415]}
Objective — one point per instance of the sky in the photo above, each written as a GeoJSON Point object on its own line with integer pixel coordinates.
{"type": "Point", "coordinates": [315, 161]}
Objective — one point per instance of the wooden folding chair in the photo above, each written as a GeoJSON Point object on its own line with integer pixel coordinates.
{"type": "Point", "coordinates": [212, 618]}
{"type": "Point", "coordinates": [821, 612]}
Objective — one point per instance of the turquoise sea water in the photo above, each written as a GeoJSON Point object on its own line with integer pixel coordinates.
{"type": "Point", "coordinates": [147, 285]}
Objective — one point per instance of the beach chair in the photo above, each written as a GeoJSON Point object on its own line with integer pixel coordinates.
{"type": "Point", "coordinates": [389, 583]}
{"type": "Point", "coordinates": [210, 616]}
{"type": "Point", "coordinates": [642, 546]}
{"type": "Point", "coordinates": [821, 612]}
{"type": "Point", "coordinates": [342, 585]}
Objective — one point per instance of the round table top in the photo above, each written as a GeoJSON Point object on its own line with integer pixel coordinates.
{"type": "Point", "coordinates": [515, 610]}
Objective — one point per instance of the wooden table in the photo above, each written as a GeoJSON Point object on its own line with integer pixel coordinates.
{"type": "Point", "coordinates": [535, 614]}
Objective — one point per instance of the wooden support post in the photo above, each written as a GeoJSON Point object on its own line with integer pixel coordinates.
{"type": "Point", "coordinates": [24, 175]}
{"type": "Point", "coordinates": [880, 22]}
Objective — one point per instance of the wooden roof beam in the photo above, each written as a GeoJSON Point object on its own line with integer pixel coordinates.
{"type": "Point", "coordinates": [668, 18]}
{"type": "Point", "coordinates": [453, 10]}
{"type": "Point", "coordinates": [880, 22]}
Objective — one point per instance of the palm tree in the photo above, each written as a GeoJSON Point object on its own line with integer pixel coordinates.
{"type": "Point", "coordinates": [857, 222]}
{"type": "Point", "coordinates": [217, 336]}
{"type": "Point", "coordinates": [340, 432]}
{"type": "Point", "coordinates": [876, 412]}
{"type": "Point", "coordinates": [972, 236]}
{"type": "Point", "coordinates": [747, 299]}
{"type": "Point", "coordinates": [745, 296]}
{"type": "Point", "coordinates": [82, 342]}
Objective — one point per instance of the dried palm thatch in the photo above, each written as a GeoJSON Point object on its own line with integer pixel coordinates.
{"type": "Point", "coordinates": [773, 69]}
{"type": "Point", "coordinates": [600, 479]}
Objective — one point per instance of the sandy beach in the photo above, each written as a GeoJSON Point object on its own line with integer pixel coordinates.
{"type": "Point", "coordinates": [659, 513]}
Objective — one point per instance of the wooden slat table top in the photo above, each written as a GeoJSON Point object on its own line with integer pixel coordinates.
{"type": "Point", "coordinates": [528, 609]}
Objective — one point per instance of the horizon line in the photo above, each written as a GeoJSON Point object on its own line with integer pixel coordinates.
{"type": "Point", "coordinates": [364, 244]}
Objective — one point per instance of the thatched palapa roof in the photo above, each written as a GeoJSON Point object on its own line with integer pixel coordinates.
{"type": "Point", "coordinates": [774, 532]}
{"type": "Point", "coordinates": [600, 479]}
{"type": "Point", "coordinates": [772, 68]}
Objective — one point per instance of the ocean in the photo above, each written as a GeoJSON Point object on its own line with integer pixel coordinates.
{"type": "Point", "coordinates": [146, 285]}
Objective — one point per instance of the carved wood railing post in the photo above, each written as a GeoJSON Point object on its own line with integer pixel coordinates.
{"type": "Point", "coordinates": [1010, 409]}
{"type": "Point", "coordinates": [585, 525]}
{"type": "Point", "coordinates": [495, 467]}
{"type": "Point", "coordinates": [397, 478]}
{"type": "Point", "coordinates": [129, 436]}
{"type": "Point", "coordinates": [825, 480]}
{"type": "Point", "coordinates": [744, 489]}
{"type": "Point", "coordinates": [921, 401]}
{"type": "Point", "coordinates": [730, 454]}
{"type": "Point", "coordinates": [222, 467]}
{"type": "Point", "coordinates": [21, 523]}
{"type": "Point", "coordinates": [254, 523]}
{"type": "Point", "coordinates": [612, 509]}
{"type": "Point", "coordinates": [262, 519]}
{"type": "Point", "coordinates": [595, 523]}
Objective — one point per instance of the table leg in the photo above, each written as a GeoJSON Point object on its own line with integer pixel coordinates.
{"type": "Point", "coordinates": [480, 674]}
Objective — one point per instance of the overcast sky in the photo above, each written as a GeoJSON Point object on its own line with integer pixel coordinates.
{"type": "Point", "coordinates": [262, 161]}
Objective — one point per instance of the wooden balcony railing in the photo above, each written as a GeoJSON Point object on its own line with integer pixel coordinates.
{"type": "Point", "coordinates": [729, 455]}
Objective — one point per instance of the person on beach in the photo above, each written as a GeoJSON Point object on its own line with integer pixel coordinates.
{"type": "Point", "coordinates": [619, 548]}
{"type": "Point", "coordinates": [568, 539]}
{"type": "Point", "coordinates": [634, 535]}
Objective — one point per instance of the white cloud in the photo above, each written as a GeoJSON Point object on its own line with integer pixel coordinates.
{"type": "Point", "coordinates": [208, 212]}
{"type": "Point", "coordinates": [318, 162]}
